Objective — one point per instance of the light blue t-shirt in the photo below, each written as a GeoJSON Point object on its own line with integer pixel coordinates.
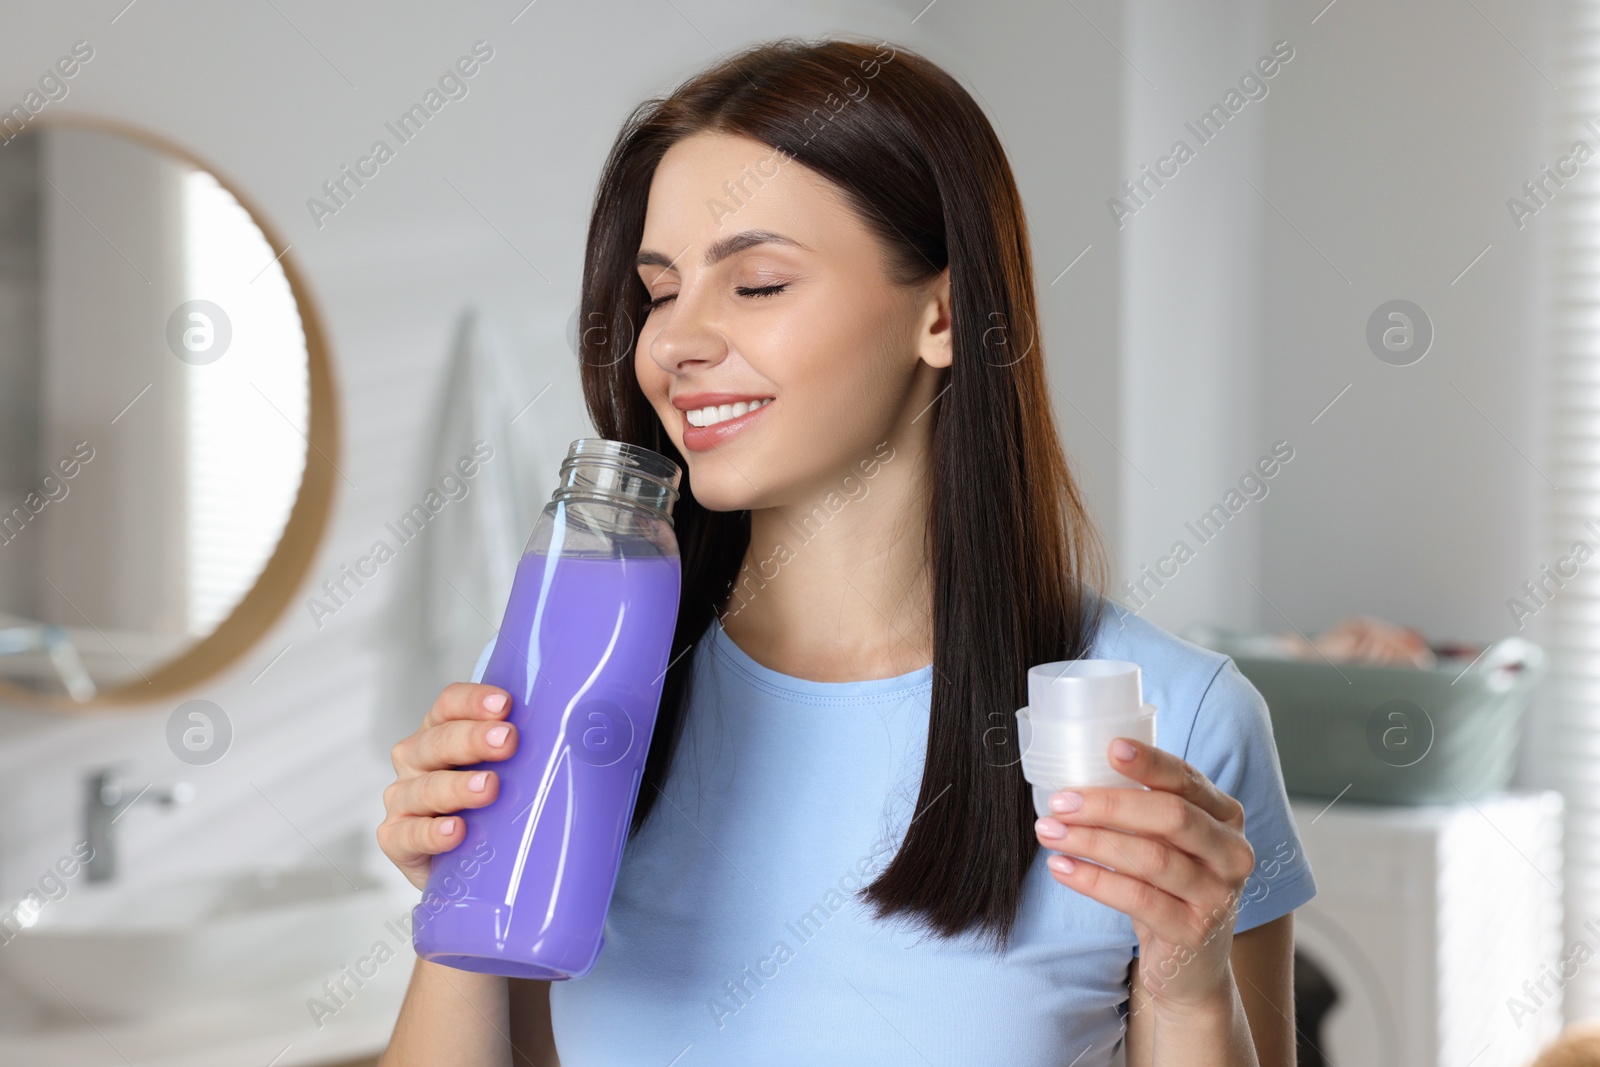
{"type": "Point", "coordinates": [733, 937]}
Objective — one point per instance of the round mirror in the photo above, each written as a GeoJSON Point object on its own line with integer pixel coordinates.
{"type": "Point", "coordinates": [167, 426]}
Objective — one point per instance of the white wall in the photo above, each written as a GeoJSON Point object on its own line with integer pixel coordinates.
{"type": "Point", "coordinates": [1393, 145]}
{"type": "Point", "coordinates": [1381, 158]}
{"type": "Point", "coordinates": [1191, 277]}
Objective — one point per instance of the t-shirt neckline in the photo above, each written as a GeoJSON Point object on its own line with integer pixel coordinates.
{"type": "Point", "coordinates": [741, 661]}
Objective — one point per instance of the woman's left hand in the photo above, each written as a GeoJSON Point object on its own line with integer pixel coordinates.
{"type": "Point", "coordinates": [1179, 862]}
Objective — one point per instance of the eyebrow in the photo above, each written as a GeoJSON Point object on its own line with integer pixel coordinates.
{"type": "Point", "coordinates": [723, 247]}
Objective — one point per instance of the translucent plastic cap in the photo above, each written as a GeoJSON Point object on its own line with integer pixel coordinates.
{"type": "Point", "coordinates": [1084, 689]}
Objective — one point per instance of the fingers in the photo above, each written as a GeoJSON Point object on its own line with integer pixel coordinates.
{"type": "Point", "coordinates": [467, 700]}
{"type": "Point", "coordinates": [420, 820]}
{"type": "Point", "coordinates": [407, 841]}
{"type": "Point", "coordinates": [440, 792]}
{"type": "Point", "coordinates": [460, 744]}
{"type": "Point", "coordinates": [464, 727]}
{"type": "Point", "coordinates": [1163, 866]}
{"type": "Point", "coordinates": [1156, 813]}
{"type": "Point", "coordinates": [1162, 770]}
{"type": "Point", "coordinates": [1133, 896]}
{"type": "Point", "coordinates": [456, 743]}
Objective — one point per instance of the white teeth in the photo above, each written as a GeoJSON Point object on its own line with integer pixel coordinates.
{"type": "Point", "coordinates": [710, 416]}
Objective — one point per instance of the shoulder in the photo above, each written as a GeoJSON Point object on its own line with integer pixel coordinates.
{"type": "Point", "coordinates": [1211, 716]}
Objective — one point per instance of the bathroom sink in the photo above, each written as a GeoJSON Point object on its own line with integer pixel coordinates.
{"type": "Point", "coordinates": [115, 954]}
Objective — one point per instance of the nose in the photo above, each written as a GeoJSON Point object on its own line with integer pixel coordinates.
{"type": "Point", "coordinates": [684, 338]}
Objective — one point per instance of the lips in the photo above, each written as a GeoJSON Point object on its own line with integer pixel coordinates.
{"type": "Point", "coordinates": [704, 438]}
{"type": "Point", "coordinates": [691, 401]}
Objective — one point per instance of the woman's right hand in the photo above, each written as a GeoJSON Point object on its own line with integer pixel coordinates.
{"type": "Point", "coordinates": [463, 727]}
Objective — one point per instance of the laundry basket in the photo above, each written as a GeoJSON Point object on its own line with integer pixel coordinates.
{"type": "Point", "coordinates": [1390, 735]}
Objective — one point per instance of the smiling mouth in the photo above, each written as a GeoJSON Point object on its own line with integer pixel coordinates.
{"type": "Point", "coordinates": [702, 418]}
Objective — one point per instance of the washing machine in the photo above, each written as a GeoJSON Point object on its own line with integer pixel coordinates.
{"type": "Point", "coordinates": [1435, 937]}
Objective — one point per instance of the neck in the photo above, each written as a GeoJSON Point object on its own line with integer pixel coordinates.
{"type": "Point", "coordinates": [836, 587]}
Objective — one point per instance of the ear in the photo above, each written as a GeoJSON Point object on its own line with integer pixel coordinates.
{"type": "Point", "coordinates": [935, 338]}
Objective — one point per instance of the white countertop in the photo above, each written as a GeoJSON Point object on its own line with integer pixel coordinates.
{"type": "Point", "coordinates": [279, 1030]}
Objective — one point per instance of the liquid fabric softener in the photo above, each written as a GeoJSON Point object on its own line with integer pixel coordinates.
{"type": "Point", "coordinates": [583, 651]}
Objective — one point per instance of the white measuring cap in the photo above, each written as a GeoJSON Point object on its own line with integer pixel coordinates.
{"type": "Point", "coordinates": [1084, 689]}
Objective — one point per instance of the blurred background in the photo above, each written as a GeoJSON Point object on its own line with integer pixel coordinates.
{"type": "Point", "coordinates": [278, 407]}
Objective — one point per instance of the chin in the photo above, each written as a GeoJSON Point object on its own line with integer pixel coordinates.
{"type": "Point", "coordinates": [724, 492]}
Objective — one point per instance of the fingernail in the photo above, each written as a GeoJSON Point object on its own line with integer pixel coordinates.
{"type": "Point", "coordinates": [1066, 801]}
{"type": "Point", "coordinates": [477, 781]}
{"type": "Point", "coordinates": [1061, 863]}
{"type": "Point", "coordinates": [494, 701]}
{"type": "Point", "coordinates": [1048, 828]}
{"type": "Point", "coordinates": [497, 736]}
{"type": "Point", "coordinates": [1123, 750]}
{"type": "Point", "coordinates": [447, 827]}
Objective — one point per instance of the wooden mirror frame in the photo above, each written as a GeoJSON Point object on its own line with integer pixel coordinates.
{"type": "Point", "coordinates": [291, 559]}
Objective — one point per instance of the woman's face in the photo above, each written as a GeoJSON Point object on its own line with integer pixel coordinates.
{"type": "Point", "coordinates": [765, 284]}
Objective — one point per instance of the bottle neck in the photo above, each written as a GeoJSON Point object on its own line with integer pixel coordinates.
{"type": "Point", "coordinates": [618, 472]}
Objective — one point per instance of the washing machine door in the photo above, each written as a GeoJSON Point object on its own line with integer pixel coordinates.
{"type": "Point", "coordinates": [1360, 1029]}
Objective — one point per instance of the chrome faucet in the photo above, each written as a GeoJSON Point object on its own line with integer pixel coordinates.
{"type": "Point", "coordinates": [104, 803]}
{"type": "Point", "coordinates": [20, 636]}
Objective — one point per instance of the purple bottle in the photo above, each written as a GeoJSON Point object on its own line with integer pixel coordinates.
{"type": "Point", "coordinates": [583, 652]}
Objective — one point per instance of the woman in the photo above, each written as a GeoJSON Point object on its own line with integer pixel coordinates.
{"type": "Point", "coordinates": [835, 857]}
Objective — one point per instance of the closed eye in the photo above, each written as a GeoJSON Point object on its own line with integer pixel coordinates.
{"type": "Point", "coordinates": [764, 290]}
{"type": "Point", "coordinates": [742, 290]}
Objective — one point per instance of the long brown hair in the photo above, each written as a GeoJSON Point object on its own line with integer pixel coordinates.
{"type": "Point", "coordinates": [1016, 564]}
